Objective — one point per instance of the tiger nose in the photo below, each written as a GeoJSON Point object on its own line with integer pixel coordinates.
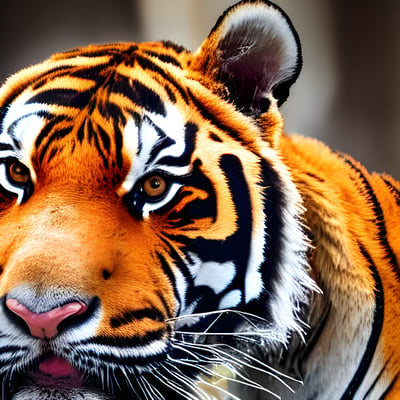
{"type": "Point", "coordinates": [44, 325]}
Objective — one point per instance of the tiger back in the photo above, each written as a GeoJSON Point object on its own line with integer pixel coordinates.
{"type": "Point", "coordinates": [161, 237]}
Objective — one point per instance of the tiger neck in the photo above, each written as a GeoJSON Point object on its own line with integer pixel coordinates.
{"type": "Point", "coordinates": [342, 318]}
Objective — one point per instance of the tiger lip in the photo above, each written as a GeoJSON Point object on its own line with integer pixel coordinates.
{"type": "Point", "coordinates": [56, 371]}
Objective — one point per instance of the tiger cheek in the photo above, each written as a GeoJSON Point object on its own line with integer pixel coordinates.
{"type": "Point", "coordinates": [131, 291]}
{"type": "Point", "coordinates": [110, 265]}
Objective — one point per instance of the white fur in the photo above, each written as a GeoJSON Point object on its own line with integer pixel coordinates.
{"type": "Point", "coordinates": [294, 284]}
{"type": "Point", "coordinates": [216, 276]}
{"type": "Point", "coordinates": [172, 124]}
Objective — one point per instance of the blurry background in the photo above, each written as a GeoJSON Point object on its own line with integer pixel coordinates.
{"type": "Point", "coordinates": [348, 94]}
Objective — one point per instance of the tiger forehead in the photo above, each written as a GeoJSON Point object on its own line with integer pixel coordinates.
{"type": "Point", "coordinates": [87, 96]}
{"type": "Point", "coordinates": [77, 107]}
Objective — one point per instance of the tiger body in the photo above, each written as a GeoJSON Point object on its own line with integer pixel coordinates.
{"type": "Point", "coordinates": [363, 277]}
{"type": "Point", "coordinates": [162, 238]}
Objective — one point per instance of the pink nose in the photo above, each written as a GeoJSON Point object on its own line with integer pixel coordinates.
{"type": "Point", "coordinates": [44, 325]}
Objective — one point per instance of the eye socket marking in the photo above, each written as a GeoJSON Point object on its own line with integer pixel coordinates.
{"type": "Point", "coordinates": [19, 173]}
{"type": "Point", "coordinates": [153, 192]}
{"type": "Point", "coordinates": [154, 186]}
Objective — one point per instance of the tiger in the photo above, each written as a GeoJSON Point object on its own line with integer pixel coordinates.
{"type": "Point", "coordinates": [163, 237]}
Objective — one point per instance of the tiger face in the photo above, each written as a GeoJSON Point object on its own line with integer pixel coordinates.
{"type": "Point", "coordinates": [149, 230]}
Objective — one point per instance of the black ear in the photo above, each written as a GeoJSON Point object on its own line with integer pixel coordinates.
{"type": "Point", "coordinates": [255, 52]}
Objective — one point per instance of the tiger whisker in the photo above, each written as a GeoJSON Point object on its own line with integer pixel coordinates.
{"type": "Point", "coordinates": [264, 334]}
{"type": "Point", "coordinates": [178, 378]}
{"type": "Point", "coordinates": [240, 361]}
{"type": "Point", "coordinates": [144, 386]}
{"type": "Point", "coordinates": [110, 380]}
{"type": "Point", "coordinates": [246, 381]}
{"type": "Point", "coordinates": [224, 311]}
{"type": "Point", "coordinates": [213, 323]}
{"type": "Point", "coordinates": [191, 382]}
{"type": "Point", "coordinates": [129, 384]}
{"type": "Point", "coordinates": [152, 389]}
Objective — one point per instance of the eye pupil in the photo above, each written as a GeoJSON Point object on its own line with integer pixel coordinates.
{"type": "Point", "coordinates": [155, 186]}
{"type": "Point", "coordinates": [19, 173]}
{"type": "Point", "coordinates": [155, 183]}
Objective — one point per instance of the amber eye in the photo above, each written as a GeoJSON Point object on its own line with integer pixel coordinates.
{"type": "Point", "coordinates": [155, 186]}
{"type": "Point", "coordinates": [19, 173]}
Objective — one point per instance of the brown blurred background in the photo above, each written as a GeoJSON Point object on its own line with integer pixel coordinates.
{"type": "Point", "coordinates": [348, 94]}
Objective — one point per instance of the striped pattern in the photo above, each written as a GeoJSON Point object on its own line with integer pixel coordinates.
{"type": "Point", "coordinates": [255, 266]}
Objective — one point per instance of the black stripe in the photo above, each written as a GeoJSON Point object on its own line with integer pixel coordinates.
{"type": "Point", "coordinates": [47, 129]}
{"type": "Point", "coordinates": [375, 381]}
{"type": "Point", "coordinates": [179, 263]}
{"type": "Point", "coordinates": [214, 137]}
{"type": "Point", "coordinates": [148, 65]}
{"type": "Point", "coordinates": [39, 80]}
{"type": "Point", "coordinates": [161, 296]}
{"type": "Point", "coordinates": [393, 190]}
{"type": "Point", "coordinates": [6, 146]}
{"type": "Point", "coordinates": [123, 342]}
{"type": "Point", "coordinates": [386, 392]}
{"type": "Point", "coordinates": [318, 178]}
{"type": "Point", "coordinates": [376, 330]}
{"type": "Point", "coordinates": [176, 47]}
{"type": "Point", "coordinates": [58, 135]}
{"type": "Point", "coordinates": [98, 51]}
{"type": "Point", "coordinates": [189, 140]}
{"type": "Point", "coordinates": [170, 94]}
{"type": "Point", "coordinates": [118, 141]}
{"type": "Point", "coordinates": [96, 134]}
{"type": "Point", "coordinates": [162, 143]}
{"type": "Point", "coordinates": [215, 119]}
{"type": "Point", "coordinates": [170, 275]}
{"type": "Point", "coordinates": [62, 97]}
{"type": "Point", "coordinates": [105, 138]}
{"type": "Point", "coordinates": [379, 219]}
{"type": "Point", "coordinates": [164, 58]}
{"type": "Point", "coordinates": [139, 94]}
{"type": "Point", "coordinates": [136, 315]}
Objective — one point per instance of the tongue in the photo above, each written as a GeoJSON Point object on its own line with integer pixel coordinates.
{"type": "Point", "coordinates": [57, 367]}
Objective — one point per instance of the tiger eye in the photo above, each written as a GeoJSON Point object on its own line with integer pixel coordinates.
{"type": "Point", "coordinates": [19, 173]}
{"type": "Point", "coordinates": [155, 186]}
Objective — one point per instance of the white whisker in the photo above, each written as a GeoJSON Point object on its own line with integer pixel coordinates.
{"type": "Point", "coordinates": [212, 323]}
{"type": "Point", "coordinates": [128, 382]}
{"type": "Point", "coordinates": [143, 387]}
{"type": "Point", "coordinates": [180, 378]}
{"type": "Point", "coordinates": [153, 389]}
{"type": "Point", "coordinates": [246, 381]}
{"type": "Point", "coordinates": [245, 360]}
{"type": "Point", "coordinates": [218, 312]}
{"type": "Point", "coordinates": [264, 334]}
{"type": "Point", "coordinates": [172, 384]}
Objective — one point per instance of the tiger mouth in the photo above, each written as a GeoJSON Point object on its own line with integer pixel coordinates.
{"type": "Point", "coordinates": [49, 372]}
{"type": "Point", "coordinates": [56, 371]}
{"type": "Point", "coordinates": [53, 376]}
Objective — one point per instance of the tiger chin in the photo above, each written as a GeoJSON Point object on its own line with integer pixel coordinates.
{"type": "Point", "coordinates": [162, 238]}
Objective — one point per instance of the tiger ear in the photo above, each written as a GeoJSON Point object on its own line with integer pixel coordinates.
{"type": "Point", "coordinates": [254, 51]}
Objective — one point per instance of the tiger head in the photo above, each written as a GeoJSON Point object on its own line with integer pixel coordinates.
{"type": "Point", "coordinates": [149, 228]}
